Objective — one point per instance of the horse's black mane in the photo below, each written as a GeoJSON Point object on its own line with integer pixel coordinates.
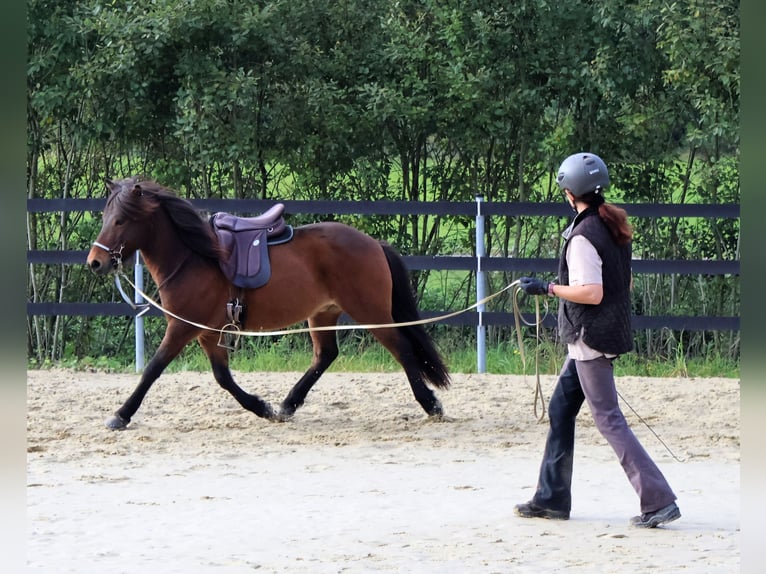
{"type": "Point", "coordinates": [193, 230]}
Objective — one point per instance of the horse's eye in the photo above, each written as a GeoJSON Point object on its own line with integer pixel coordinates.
{"type": "Point", "coordinates": [119, 222]}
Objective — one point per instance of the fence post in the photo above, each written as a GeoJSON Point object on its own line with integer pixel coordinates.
{"type": "Point", "coordinates": [138, 278]}
{"type": "Point", "coordinates": [481, 330]}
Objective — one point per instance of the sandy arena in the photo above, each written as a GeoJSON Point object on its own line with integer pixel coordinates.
{"type": "Point", "coordinates": [361, 481]}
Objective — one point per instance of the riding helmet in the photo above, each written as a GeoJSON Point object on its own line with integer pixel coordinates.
{"type": "Point", "coordinates": [583, 173]}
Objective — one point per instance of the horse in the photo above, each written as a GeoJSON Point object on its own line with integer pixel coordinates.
{"type": "Point", "coordinates": [325, 270]}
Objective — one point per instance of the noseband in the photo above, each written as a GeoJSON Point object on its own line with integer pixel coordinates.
{"type": "Point", "coordinates": [114, 254]}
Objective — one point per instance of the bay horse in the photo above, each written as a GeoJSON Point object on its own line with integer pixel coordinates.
{"type": "Point", "coordinates": [328, 268]}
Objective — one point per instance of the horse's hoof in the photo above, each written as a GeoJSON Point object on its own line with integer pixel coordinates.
{"type": "Point", "coordinates": [283, 416]}
{"type": "Point", "coordinates": [116, 422]}
{"type": "Point", "coordinates": [436, 411]}
{"type": "Point", "coordinates": [267, 413]}
{"type": "Point", "coordinates": [440, 418]}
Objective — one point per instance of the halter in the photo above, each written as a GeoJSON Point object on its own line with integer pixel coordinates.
{"type": "Point", "coordinates": [116, 257]}
{"type": "Point", "coordinates": [114, 254]}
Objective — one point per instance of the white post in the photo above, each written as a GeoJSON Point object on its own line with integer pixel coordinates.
{"type": "Point", "coordinates": [138, 278]}
{"type": "Point", "coordinates": [481, 330]}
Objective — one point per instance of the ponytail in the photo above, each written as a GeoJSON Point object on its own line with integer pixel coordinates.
{"type": "Point", "coordinates": [616, 219]}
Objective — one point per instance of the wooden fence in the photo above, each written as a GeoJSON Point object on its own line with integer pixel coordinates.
{"type": "Point", "coordinates": [466, 263]}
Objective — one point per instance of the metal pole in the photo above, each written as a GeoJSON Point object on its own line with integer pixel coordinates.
{"type": "Point", "coordinates": [481, 330]}
{"type": "Point", "coordinates": [138, 279]}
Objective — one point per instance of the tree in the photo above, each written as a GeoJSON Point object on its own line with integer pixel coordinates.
{"type": "Point", "coordinates": [417, 100]}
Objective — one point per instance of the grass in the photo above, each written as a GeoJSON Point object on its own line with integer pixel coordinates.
{"type": "Point", "coordinates": [357, 355]}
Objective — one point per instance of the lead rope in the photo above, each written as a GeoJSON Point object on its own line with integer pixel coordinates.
{"type": "Point", "coordinates": [142, 308]}
{"type": "Point", "coordinates": [539, 399]}
{"type": "Point", "coordinates": [538, 387]}
{"type": "Point", "coordinates": [646, 424]}
{"type": "Point", "coordinates": [227, 330]}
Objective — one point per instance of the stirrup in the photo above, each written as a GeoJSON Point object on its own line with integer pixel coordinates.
{"type": "Point", "coordinates": [229, 337]}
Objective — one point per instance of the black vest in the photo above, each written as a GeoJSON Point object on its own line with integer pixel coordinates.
{"type": "Point", "coordinates": [607, 326]}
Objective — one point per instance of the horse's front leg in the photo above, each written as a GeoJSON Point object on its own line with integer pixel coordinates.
{"type": "Point", "coordinates": [219, 361]}
{"type": "Point", "coordinates": [175, 339]}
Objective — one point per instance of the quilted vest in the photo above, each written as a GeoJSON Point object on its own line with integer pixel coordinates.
{"type": "Point", "coordinates": [605, 327]}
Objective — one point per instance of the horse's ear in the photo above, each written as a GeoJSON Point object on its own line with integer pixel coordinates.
{"type": "Point", "coordinates": [109, 184]}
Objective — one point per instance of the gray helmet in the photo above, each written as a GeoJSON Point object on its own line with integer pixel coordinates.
{"type": "Point", "coordinates": [582, 173]}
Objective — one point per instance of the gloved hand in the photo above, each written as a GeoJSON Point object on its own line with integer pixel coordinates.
{"type": "Point", "coordinates": [533, 286]}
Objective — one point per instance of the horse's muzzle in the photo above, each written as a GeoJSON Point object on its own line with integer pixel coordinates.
{"type": "Point", "coordinates": [98, 267]}
{"type": "Point", "coordinates": [102, 259]}
{"type": "Point", "coordinates": [100, 262]}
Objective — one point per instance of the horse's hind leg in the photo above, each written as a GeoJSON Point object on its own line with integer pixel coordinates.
{"type": "Point", "coordinates": [325, 352]}
{"type": "Point", "coordinates": [402, 350]}
{"type": "Point", "coordinates": [219, 361]}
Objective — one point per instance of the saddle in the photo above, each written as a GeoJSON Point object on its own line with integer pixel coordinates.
{"type": "Point", "coordinates": [245, 242]}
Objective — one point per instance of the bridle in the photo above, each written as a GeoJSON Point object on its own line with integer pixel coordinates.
{"type": "Point", "coordinates": [114, 254]}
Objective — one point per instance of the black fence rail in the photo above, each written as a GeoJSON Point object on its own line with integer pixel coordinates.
{"type": "Point", "coordinates": [438, 263]}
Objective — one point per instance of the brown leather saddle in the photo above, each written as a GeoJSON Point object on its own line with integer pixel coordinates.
{"type": "Point", "coordinates": [245, 242]}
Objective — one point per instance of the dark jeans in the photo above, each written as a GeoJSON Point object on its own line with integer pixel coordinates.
{"type": "Point", "coordinates": [593, 381]}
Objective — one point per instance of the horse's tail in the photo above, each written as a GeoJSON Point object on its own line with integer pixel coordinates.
{"type": "Point", "coordinates": [405, 309]}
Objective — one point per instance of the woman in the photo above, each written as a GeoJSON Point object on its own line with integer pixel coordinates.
{"type": "Point", "coordinates": [594, 321]}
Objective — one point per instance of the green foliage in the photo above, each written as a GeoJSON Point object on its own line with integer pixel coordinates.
{"type": "Point", "coordinates": [416, 100]}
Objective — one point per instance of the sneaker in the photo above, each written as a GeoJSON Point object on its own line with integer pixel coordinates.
{"type": "Point", "coordinates": [653, 519]}
{"type": "Point", "coordinates": [531, 510]}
